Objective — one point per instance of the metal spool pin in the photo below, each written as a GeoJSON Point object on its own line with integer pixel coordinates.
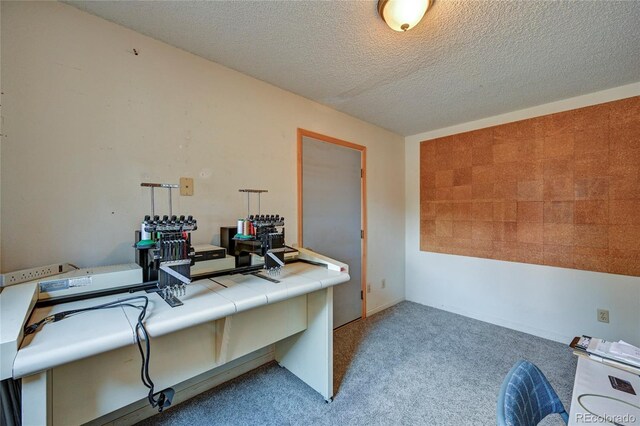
{"type": "Point", "coordinates": [249, 192]}
{"type": "Point", "coordinates": [168, 186]}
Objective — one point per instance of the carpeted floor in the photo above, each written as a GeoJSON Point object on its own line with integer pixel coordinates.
{"type": "Point", "coordinates": [410, 364]}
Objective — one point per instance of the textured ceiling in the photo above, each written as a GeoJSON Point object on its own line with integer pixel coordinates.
{"type": "Point", "coordinates": [466, 60]}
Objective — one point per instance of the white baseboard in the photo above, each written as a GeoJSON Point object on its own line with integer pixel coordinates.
{"type": "Point", "coordinates": [502, 322]}
{"type": "Point", "coordinates": [383, 307]}
{"type": "Point", "coordinates": [141, 410]}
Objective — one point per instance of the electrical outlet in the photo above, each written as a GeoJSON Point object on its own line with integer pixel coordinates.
{"type": "Point", "coordinates": [603, 315]}
{"type": "Point", "coordinates": [186, 186]}
{"type": "Point", "coordinates": [384, 283]}
{"type": "Point", "coordinates": [369, 288]}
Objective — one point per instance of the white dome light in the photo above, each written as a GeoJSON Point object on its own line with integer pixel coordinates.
{"type": "Point", "coordinates": [402, 15]}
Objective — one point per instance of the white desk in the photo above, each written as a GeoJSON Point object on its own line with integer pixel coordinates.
{"type": "Point", "coordinates": [88, 365]}
{"type": "Point", "coordinates": [592, 377]}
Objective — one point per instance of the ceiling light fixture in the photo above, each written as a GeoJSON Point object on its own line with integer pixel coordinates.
{"type": "Point", "coordinates": [402, 15]}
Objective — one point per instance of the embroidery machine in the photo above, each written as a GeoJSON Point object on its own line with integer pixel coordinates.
{"type": "Point", "coordinates": [294, 313]}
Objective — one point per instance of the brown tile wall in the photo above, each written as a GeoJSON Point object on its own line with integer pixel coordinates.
{"type": "Point", "coordinates": [560, 190]}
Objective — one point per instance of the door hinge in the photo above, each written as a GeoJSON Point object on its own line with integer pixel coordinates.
{"type": "Point", "coordinates": [362, 234]}
{"type": "Point", "coordinates": [361, 295]}
{"type": "Point", "coordinates": [361, 173]}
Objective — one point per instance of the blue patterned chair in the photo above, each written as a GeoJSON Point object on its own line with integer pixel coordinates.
{"type": "Point", "coordinates": [526, 397]}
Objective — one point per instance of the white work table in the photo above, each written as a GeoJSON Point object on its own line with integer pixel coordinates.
{"type": "Point", "coordinates": [592, 381]}
{"type": "Point", "coordinates": [221, 319]}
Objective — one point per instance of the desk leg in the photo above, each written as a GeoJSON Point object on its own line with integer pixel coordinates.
{"type": "Point", "coordinates": [309, 354]}
{"type": "Point", "coordinates": [36, 399]}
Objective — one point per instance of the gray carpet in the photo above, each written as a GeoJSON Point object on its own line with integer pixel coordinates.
{"type": "Point", "coordinates": [410, 364]}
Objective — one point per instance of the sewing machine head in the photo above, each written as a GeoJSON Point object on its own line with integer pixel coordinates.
{"type": "Point", "coordinates": [165, 254]}
{"type": "Point", "coordinates": [261, 235]}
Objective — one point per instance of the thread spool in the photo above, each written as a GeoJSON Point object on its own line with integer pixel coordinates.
{"type": "Point", "coordinates": [240, 226]}
{"type": "Point", "coordinates": [144, 235]}
{"type": "Point", "coordinates": [247, 228]}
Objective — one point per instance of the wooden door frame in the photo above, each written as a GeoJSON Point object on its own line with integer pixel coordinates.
{"type": "Point", "coordinates": [363, 199]}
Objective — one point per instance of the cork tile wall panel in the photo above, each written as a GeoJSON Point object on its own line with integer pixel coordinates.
{"type": "Point", "coordinates": [559, 190]}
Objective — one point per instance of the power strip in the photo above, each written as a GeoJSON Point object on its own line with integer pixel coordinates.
{"type": "Point", "coordinates": [25, 275]}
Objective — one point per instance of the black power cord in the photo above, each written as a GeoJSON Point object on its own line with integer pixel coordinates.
{"type": "Point", "coordinates": [161, 399]}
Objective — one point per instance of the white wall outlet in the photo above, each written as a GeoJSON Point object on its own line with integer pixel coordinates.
{"type": "Point", "coordinates": [369, 288]}
{"type": "Point", "coordinates": [603, 315]}
{"type": "Point", "coordinates": [384, 283]}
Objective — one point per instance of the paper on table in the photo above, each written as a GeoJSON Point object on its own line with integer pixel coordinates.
{"type": "Point", "coordinates": [624, 350]}
{"type": "Point", "coordinates": [603, 348]}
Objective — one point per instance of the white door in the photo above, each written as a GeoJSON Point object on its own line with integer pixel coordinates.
{"type": "Point", "coordinates": [332, 216]}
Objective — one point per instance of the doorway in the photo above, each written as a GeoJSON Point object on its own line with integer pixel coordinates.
{"type": "Point", "coordinates": [332, 213]}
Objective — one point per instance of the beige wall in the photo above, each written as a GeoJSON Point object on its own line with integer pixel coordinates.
{"type": "Point", "coordinates": [555, 303]}
{"type": "Point", "coordinates": [86, 121]}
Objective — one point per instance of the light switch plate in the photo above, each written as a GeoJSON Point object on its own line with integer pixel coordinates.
{"type": "Point", "coordinates": [186, 186]}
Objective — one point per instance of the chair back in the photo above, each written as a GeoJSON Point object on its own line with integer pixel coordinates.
{"type": "Point", "coordinates": [526, 397]}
